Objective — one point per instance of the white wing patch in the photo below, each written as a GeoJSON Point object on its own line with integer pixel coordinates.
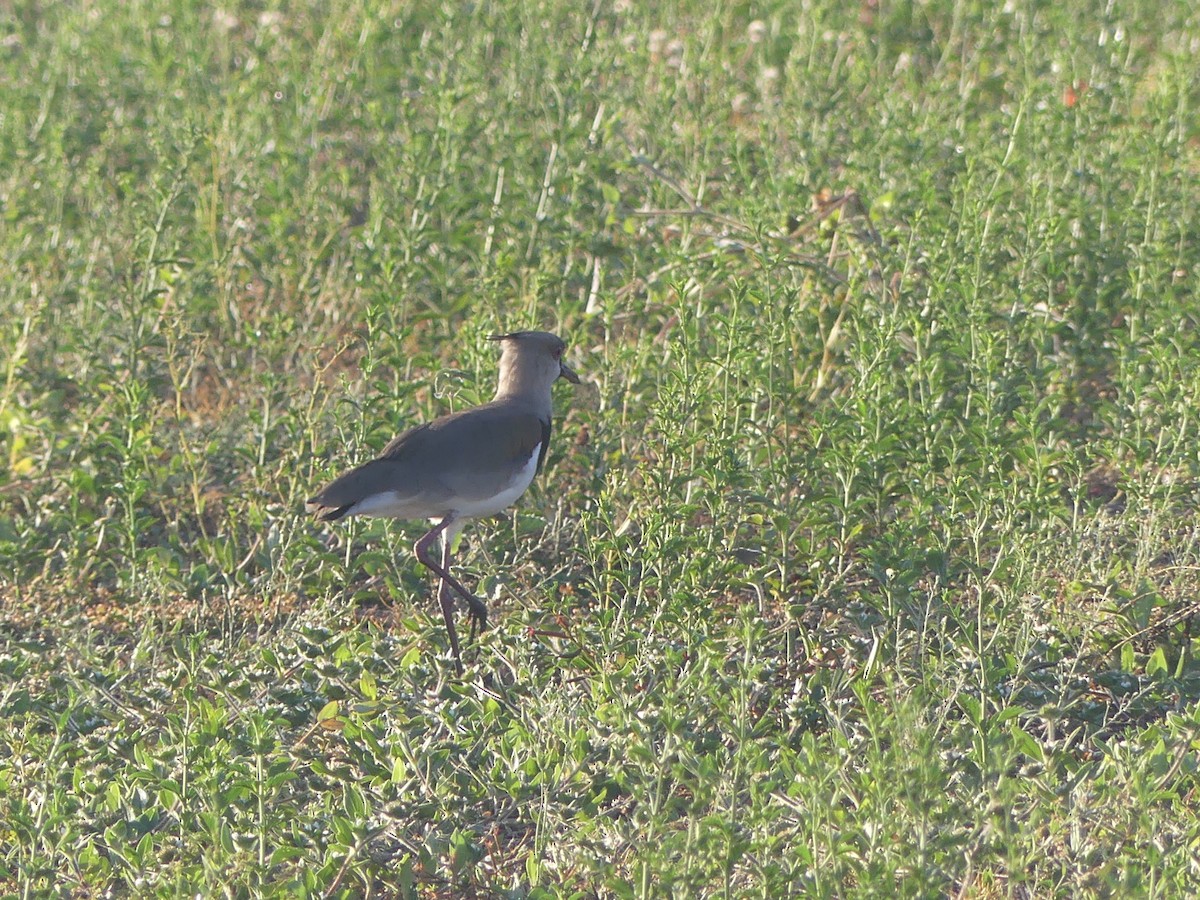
{"type": "Point", "coordinates": [388, 505]}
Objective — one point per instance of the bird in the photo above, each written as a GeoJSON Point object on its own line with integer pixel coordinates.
{"type": "Point", "coordinates": [472, 463]}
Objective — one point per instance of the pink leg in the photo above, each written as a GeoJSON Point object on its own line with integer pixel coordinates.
{"type": "Point", "coordinates": [448, 582]}
{"type": "Point", "coordinates": [446, 599]}
{"type": "Point", "coordinates": [478, 610]}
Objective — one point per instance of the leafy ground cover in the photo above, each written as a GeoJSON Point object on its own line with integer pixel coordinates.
{"type": "Point", "coordinates": [865, 560]}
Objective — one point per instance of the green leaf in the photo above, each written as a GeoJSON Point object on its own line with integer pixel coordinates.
{"type": "Point", "coordinates": [399, 770]}
{"type": "Point", "coordinates": [285, 854]}
{"type": "Point", "coordinates": [1157, 663]}
{"type": "Point", "coordinates": [354, 801]}
{"type": "Point", "coordinates": [972, 707]}
{"type": "Point", "coordinates": [281, 778]}
{"type": "Point", "coordinates": [410, 659]}
{"type": "Point", "coordinates": [328, 711]}
{"type": "Point", "coordinates": [1025, 743]}
{"type": "Point", "coordinates": [367, 685]}
{"type": "Point", "coordinates": [1128, 658]}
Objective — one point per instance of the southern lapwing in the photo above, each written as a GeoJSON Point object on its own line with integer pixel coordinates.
{"type": "Point", "coordinates": [471, 463]}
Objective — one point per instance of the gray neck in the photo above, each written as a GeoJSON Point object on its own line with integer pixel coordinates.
{"type": "Point", "coordinates": [530, 389]}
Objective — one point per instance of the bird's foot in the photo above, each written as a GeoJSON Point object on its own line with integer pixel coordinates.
{"type": "Point", "coordinates": [478, 613]}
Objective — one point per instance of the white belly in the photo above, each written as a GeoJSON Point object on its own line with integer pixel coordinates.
{"type": "Point", "coordinates": [486, 506]}
{"type": "Point", "coordinates": [394, 505]}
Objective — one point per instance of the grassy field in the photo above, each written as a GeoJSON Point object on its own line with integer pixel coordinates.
{"type": "Point", "coordinates": [865, 561]}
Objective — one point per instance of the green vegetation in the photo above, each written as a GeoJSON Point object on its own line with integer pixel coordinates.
{"type": "Point", "coordinates": [865, 562]}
